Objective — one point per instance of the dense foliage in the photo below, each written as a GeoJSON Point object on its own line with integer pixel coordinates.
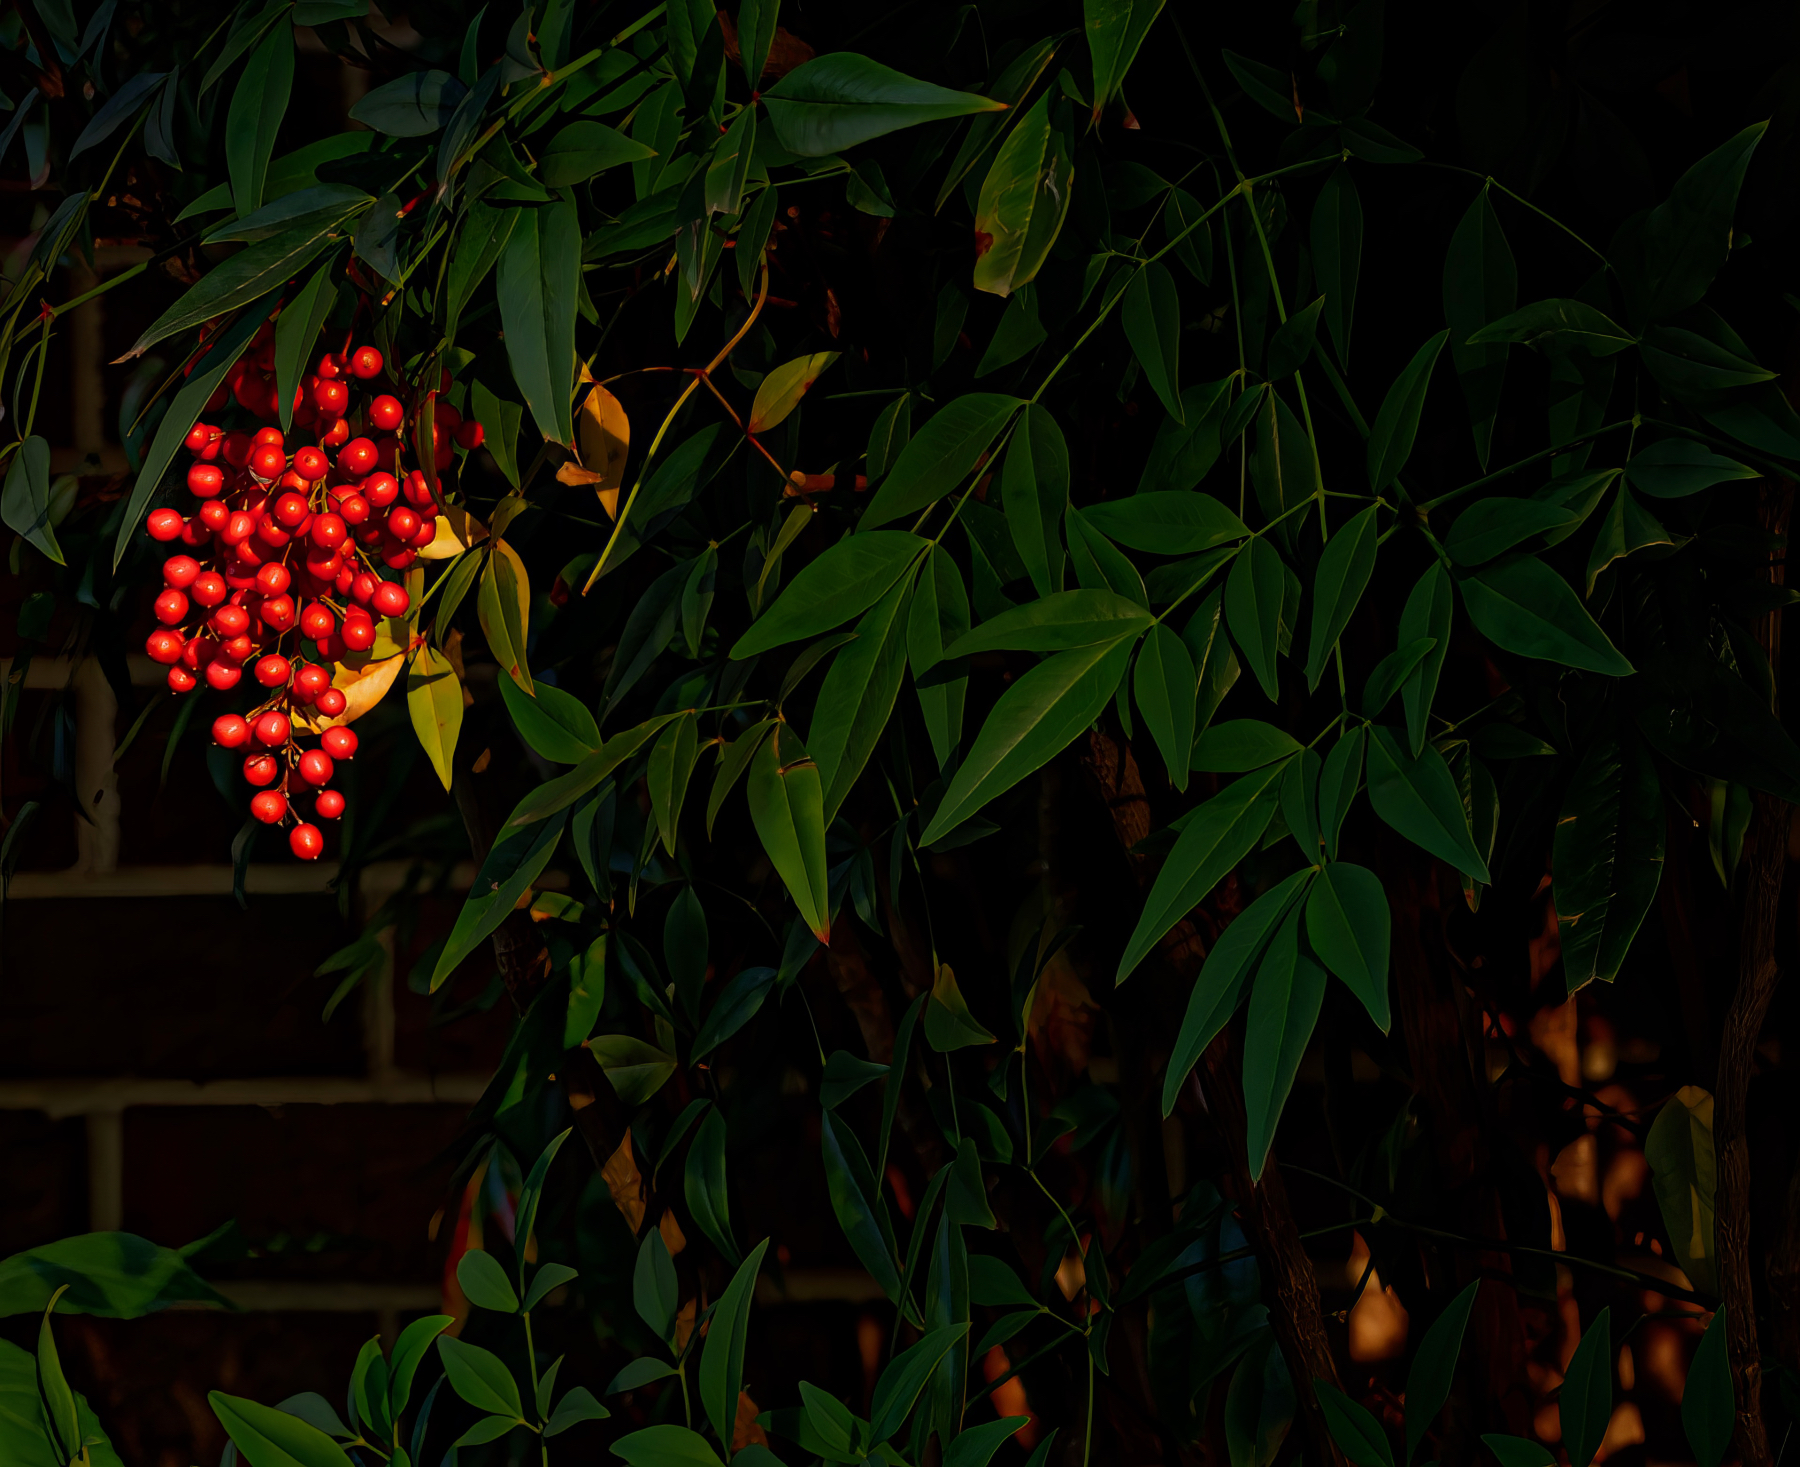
{"type": "Point", "coordinates": [1185, 572]}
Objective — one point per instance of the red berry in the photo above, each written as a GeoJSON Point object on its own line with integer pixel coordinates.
{"type": "Point", "coordinates": [261, 769]}
{"type": "Point", "coordinates": [365, 362]}
{"type": "Point", "coordinates": [399, 559]}
{"type": "Point", "coordinates": [292, 509]}
{"type": "Point", "coordinates": [306, 842]}
{"type": "Point", "coordinates": [266, 462]}
{"type": "Point", "coordinates": [355, 509]}
{"type": "Point", "coordinates": [278, 613]}
{"type": "Point", "coordinates": [236, 651]}
{"type": "Point", "coordinates": [272, 671]}
{"type": "Point", "coordinates": [358, 633]}
{"type": "Point", "coordinates": [357, 458]}
{"type": "Point", "coordinates": [390, 599]}
{"type": "Point", "coordinates": [363, 588]}
{"type": "Point", "coordinates": [335, 432]}
{"type": "Point", "coordinates": [165, 646]}
{"type": "Point", "coordinates": [180, 571]}
{"type": "Point", "coordinates": [267, 435]}
{"type": "Point", "coordinates": [381, 489]}
{"type": "Point", "coordinates": [339, 742]}
{"type": "Point", "coordinates": [470, 435]}
{"type": "Point", "coordinates": [311, 680]}
{"type": "Point", "coordinates": [402, 523]}
{"type": "Point", "coordinates": [269, 806]}
{"type": "Point", "coordinates": [331, 702]}
{"type": "Point", "coordinates": [236, 448]}
{"type": "Point", "coordinates": [209, 588]}
{"type": "Point", "coordinates": [330, 396]}
{"type": "Point", "coordinates": [310, 464]}
{"type": "Point", "coordinates": [273, 579]}
{"type": "Point", "coordinates": [329, 531]}
{"type": "Point", "coordinates": [230, 731]}
{"type": "Point", "coordinates": [329, 804]}
{"type": "Point", "coordinates": [317, 621]}
{"type": "Point", "coordinates": [199, 437]}
{"type": "Point", "coordinates": [180, 679]}
{"type": "Point", "coordinates": [165, 524]}
{"type": "Point", "coordinates": [171, 607]}
{"type": "Point", "coordinates": [418, 491]}
{"type": "Point", "coordinates": [386, 412]}
{"type": "Point", "coordinates": [222, 677]}
{"type": "Point", "coordinates": [272, 729]}
{"type": "Point", "coordinates": [316, 767]}
{"type": "Point", "coordinates": [204, 480]}
{"type": "Point", "coordinates": [230, 621]}
{"type": "Point", "coordinates": [329, 366]}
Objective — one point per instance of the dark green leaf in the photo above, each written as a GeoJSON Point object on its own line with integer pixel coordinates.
{"type": "Point", "coordinates": [411, 106]}
{"type": "Point", "coordinates": [480, 1377]}
{"type": "Point", "coordinates": [856, 1202]}
{"type": "Point", "coordinates": [1428, 612]}
{"type": "Point", "coordinates": [703, 1185]}
{"type": "Point", "coordinates": [1345, 566]}
{"type": "Point", "coordinates": [123, 104]}
{"type": "Point", "coordinates": [1034, 488]}
{"type": "Point", "coordinates": [582, 149]}
{"type": "Point", "coordinates": [787, 808]}
{"type": "Point", "coordinates": [939, 615]}
{"type": "Point", "coordinates": [538, 285]}
{"type": "Point", "coordinates": [1557, 326]}
{"type": "Point", "coordinates": [1481, 285]}
{"type": "Point", "coordinates": [1517, 1451]}
{"type": "Point", "coordinates": [1151, 314]}
{"type": "Point", "coordinates": [1352, 1427]}
{"type": "Point", "coordinates": [576, 1406]}
{"type": "Point", "coordinates": [513, 864]}
{"type": "Point", "coordinates": [1608, 857]}
{"type": "Point", "coordinates": [635, 1070]}
{"type": "Point", "coordinates": [939, 456]}
{"type": "Point", "coordinates": [1490, 527]}
{"type": "Point", "coordinates": [1284, 467]}
{"type": "Point", "coordinates": [1115, 30]}
{"type": "Point", "coordinates": [258, 105]}
{"type": "Point", "coordinates": [1349, 927]}
{"type": "Point", "coordinates": [484, 1282]}
{"type": "Point", "coordinates": [844, 1076]}
{"type": "Point", "coordinates": [1259, 1405]}
{"type": "Point", "coordinates": [1165, 683]}
{"type": "Point", "coordinates": [1392, 671]}
{"type": "Point", "coordinates": [722, 1357]}
{"type": "Point", "coordinates": [1023, 202]}
{"type": "Point", "coordinates": [1054, 623]}
{"type": "Point", "coordinates": [1418, 798]}
{"type": "Point", "coordinates": [1397, 424]}
{"type": "Point", "coordinates": [268, 1437]}
{"type": "Point", "coordinates": [1434, 1366]}
{"type": "Point", "coordinates": [1270, 89]}
{"type": "Point", "coordinates": [655, 1290]}
{"type": "Point", "coordinates": [666, 1446]}
{"type": "Point", "coordinates": [556, 724]}
{"type": "Point", "coordinates": [1285, 1000]}
{"type": "Point", "coordinates": [1693, 368]}
{"type": "Point", "coordinates": [1708, 1405]}
{"type": "Point", "coordinates": [1523, 606]}
{"type": "Point", "coordinates": [1241, 744]}
{"type": "Point", "coordinates": [1292, 343]}
{"type": "Point", "coordinates": [845, 581]}
{"type": "Point", "coordinates": [858, 696]}
{"type": "Point", "coordinates": [1684, 1168]}
{"type": "Point", "coordinates": [736, 1006]}
{"type": "Point", "coordinates": [1253, 596]}
{"type": "Point", "coordinates": [1099, 564]}
{"type": "Point", "coordinates": [904, 1377]}
{"type": "Point", "coordinates": [1166, 523]}
{"type": "Point", "coordinates": [843, 98]}
{"type": "Point", "coordinates": [25, 499]}
{"type": "Point", "coordinates": [1675, 467]}
{"type": "Point", "coordinates": [1586, 1399]}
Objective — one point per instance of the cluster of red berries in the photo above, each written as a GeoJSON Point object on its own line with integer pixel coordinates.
{"type": "Point", "coordinates": [295, 544]}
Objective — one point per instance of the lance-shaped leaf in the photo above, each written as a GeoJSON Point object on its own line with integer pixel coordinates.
{"type": "Point", "coordinates": [1674, 467]}
{"type": "Point", "coordinates": [1240, 744]}
{"type": "Point", "coordinates": [1557, 326]}
{"type": "Point", "coordinates": [25, 499]}
{"type": "Point", "coordinates": [1034, 490]}
{"type": "Point", "coordinates": [1337, 235]}
{"type": "Point", "coordinates": [858, 695]}
{"type": "Point", "coordinates": [582, 149]}
{"type": "Point", "coordinates": [1708, 1400]}
{"type": "Point", "coordinates": [539, 285]}
{"type": "Point", "coordinates": [948, 1023]}
{"type": "Point", "coordinates": [1489, 528]}
{"type": "Point", "coordinates": [703, 1185]}
{"type": "Point", "coordinates": [1259, 1405]}
{"type": "Point", "coordinates": [1348, 926]}
{"type": "Point", "coordinates": [1115, 30]}
{"type": "Point", "coordinates": [508, 872]}
{"type": "Point", "coordinates": [1284, 1006]}
{"type": "Point", "coordinates": [940, 455]}
{"type": "Point", "coordinates": [1054, 623]}
{"type": "Point", "coordinates": [787, 807]}
{"type": "Point", "coordinates": [635, 1069]}
{"type": "Point", "coordinates": [1165, 685]}
{"type": "Point", "coordinates": [671, 766]}
{"type": "Point", "coordinates": [938, 615]}
{"type": "Point", "coordinates": [1253, 600]}
{"type": "Point", "coordinates": [1481, 285]}
{"type": "Point", "coordinates": [779, 393]}
{"type": "Point", "coordinates": [838, 100]}
{"type": "Point", "coordinates": [258, 104]}
{"type": "Point", "coordinates": [1151, 315]}
{"type": "Point", "coordinates": [265, 1434]}
{"type": "Point", "coordinates": [434, 700]}
{"type": "Point", "coordinates": [1397, 424]}
{"type": "Point", "coordinates": [1522, 605]}
{"type": "Point", "coordinates": [1166, 522]}
{"type": "Point", "coordinates": [904, 1377]}
{"type": "Point", "coordinates": [666, 1446]}
{"type": "Point", "coordinates": [1353, 1427]}
{"type": "Point", "coordinates": [722, 1356]}
{"type": "Point", "coordinates": [1034, 720]}
{"type": "Point", "coordinates": [1216, 837]}
{"type": "Point", "coordinates": [857, 1203]}
{"type": "Point", "coordinates": [1608, 856]}
{"type": "Point", "coordinates": [1428, 1382]}
{"type": "Point", "coordinates": [557, 725]}
{"type": "Point", "coordinates": [1419, 798]}
{"type": "Point", "coordinates": [1684, 1171]}
{"type": "Point", "coordinates": [1586, 1400]}
{"type": "Point", "coordinates": [845, 581]}
{"type": "Point", "coordinates": [1427, 613]}
{"type": "Point", "coordinates": [503, 605]}
{"type": "Point", "coordinates": [1344, 570]}
{"type": "Point", "coordinates": [1023, 202]}
{"type": "Point", "coordinates": [1284, 467]}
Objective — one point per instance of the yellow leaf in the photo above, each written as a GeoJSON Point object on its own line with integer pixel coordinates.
{"type": "Point", "coordinates": [457, 530]}
{"type": "Point", "coordinates": [604, 433]}
{"type": "Point", "coordinates": [780, 392]}
{"type": "Point", "coordinates": [434, 698]}
{"type": "Point", "coordinates": [364, 682]}
{"type": "Point", "coordinates": [503, 605]}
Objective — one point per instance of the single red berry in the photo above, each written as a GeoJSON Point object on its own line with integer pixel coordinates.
{"type": "Point", "coordinates": [270, 435]}
{"type": "Point", "coordinates": [271, 671]}
{"type": "Point", "coordinates": [330, 396]}
{"type": "Point", "coordinates": [230, 731]}
{"type": "Point", "coordinates": [334, 432]}
{"type": "Point", "coordinates": [261, 769]}
{"type": "Point", "coordinates": [310, 464]}
{"type": "Point", "coordinates": [328, 531]}
{"type": "Point", "coordinates": [180, 679]}
{"type": "Point", "coordinates": [329, 366]}
{"type": "Point", "coordinates": [278, 613]}
{"type": "Point", "coordinates": [236, 448]}
{"type": "Point", "coordinates": [171, 607]}
{"type": "Point", "coordinates": [165, 646]}
{"type": "Point", "coordinates": [316, 767]}
{"type": "Point", "coordinates": [385, 412]}
{"type": "Point", "coordinates": [273, 579]}
{"type": "Point", "coordinates": [418, 491]}
{"type": "Point", "coordinates": [272, 729]}
{"type": "Point", "coordinates": [402, 523]}
{"type": "Point", "coordinates": [222, 676]}
{"type": "Point", "coordinates": [311, 680]}
{"type": "Point", "coordinates": [269, 806]}
{"type": "Point", "coordinates": [362, 589]}
{"type": "Point", "coordinates": [306, 842]}
{"type": "Point", "coordinates": [323, 565]}
{"type": "Point", "coordinates": [199, 437]}
{"type": "Point", "coordinates": [230, 620]}
{"type": "Point", "coordinates": [209, 588]}
{"type": "Point", "coordinates": [204, 480]}
{"type": "Point", "coordinates": [239, 528]}
{"type": "Point", "coordinates": [366, 362]}
{"type": "Point", "coordinates": [344, 580]}
{"type": "Point", "coordinates": [390, 599]}
{"type": "Point", "coordinates": [213, 514]}
{"type": "Point", "coordinates": [329, 804]}
{"type": "Point", "coordinates": [180, 571]}
{"type": "Point", "coordinates": [317, 621]}
{"type": "Point", "coordinates": [291, 509]}
{"type": "Point", "coordinates": [195, 533]}
{"type": "Point", "coordinates": [470, 435]}
{"type": "Point", "coordinates": [399, 559]}
{"type": "Point", "coordinates": [331, 702]}
{"type": "Point", "coordinates": [358, 633]}
{"type": "Point", "coordinates": [266, 462]}
{"type": "Point", "coordinates": [357, 458]}
{"type": "Point", "coordinates": [237, 651]}
{"type": "Point", "coordinates": [381, 489]}
{"type": "Point", "coordinates": [339, 742]}
{"type": "Point", "coordinates": [165, 525]}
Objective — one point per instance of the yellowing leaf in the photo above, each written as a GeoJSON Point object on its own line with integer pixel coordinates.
{"type": "Point", "coordinates": [948, 1022]}
{"type": "Point", "coordinates": [434, 698]}
{"type": "Point", "coordinates": [457, 530]}
{"type": "Point", "coordinates": [503, 605]}
{"type": "Point", "coordinates": [604, 433]}
{"type": "Point", "coordinates": [780, 392]}
{"type": "Point", "coordinates": [364, 683]}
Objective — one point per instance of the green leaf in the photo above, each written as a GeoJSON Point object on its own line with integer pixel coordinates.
{"type": "Point", "coordinates": [1217, 836]}
{"type": "Point", "coordinates": [1481, 285]}
{"type": "Point", "coordinates": [703, 1185]}
{"type": "Point", "coordinates": [858, 696]}
{"type": "Point", "coordinates": [566, 789]}
{"type": "Point", "coordinates": [1151, 315]}
{"type": "Point", "coordinates": [939, 613]}
{"type": "Point", "coordinates": [485, 1283]}
{"type": "Point", "coordinates": [1557, 326]}
{"type": "Point", "coordinates": [1259, 1405]}
{"type": "Point", "coordinates": [787, 807]}
{"type": "Point", "coordinates": [107, 1275]}
{"type": "Point", "coordinates": [1214, 657]}
{"type": "Point", "coordinates": [576, 1406]}
{"type": "Point", "coordinates": [974, 1446]}
{"type": "Point", "coordinates": [1608, 856]}
{"type": "Point", "coordinates": [514, 863]}
{"type": "Point", "coordinates": [734, 759]}
{"type": "Point", "coordinates": [268, 1437]}
{"type": "Point", "coordinates": [1397, 424]}
{"type": "Point", "coordinates": [635, 1069]}
{"type": "Point", "coordinates": [258, 105]}
{"type": "Point", "coordinates": [1337, 236]}
{"type": "Point", "coordinates": [1023, 202]}
{"type": "Point", "coordinates": [1283, 468]}
{"type": "Point", "coordinates": [1434, 1367]}
{"type": "Point", "coordinates": [1691, 366]}
{"type": "Point", "coordinates": [1115, 29]}
{"type": "Point", "coordinates": [1387, 676]}
{"type": "Point", "coordinates": [1349, 927]}
{"type": "Point", "coordinates": [434, 701]}
{"type": "Point", "coordinates": [779, 393]}
{"type": "Point", "coordinates": [25, 499]}
{"type": "Point", "coordinates": [1166, 522]}
{"type": "Point", "coordinates": [1165, 684]}
{"type": "Point", "coordinates": [1428, 612]}
{"type": "Point", "coordinates": [1684, 1170]}
{"type": "Point", "coordinates": [1586, 1399]}
{"type": "Point", "coordinates": [1253, 596]}
{"type": "Point", "coordinates": [485, 233]}
{"type": "Point", "coordinates": [1240, 744]}
{"type": "Point", "coordinates": [1516, 1451]}
{"type": "Point", "coordinates": [1034, 488]}
{"type": "Point", "coordinates": [666, 1446]}
{"type": "Point", "coordinates": [587, 987]}
{"type": "Point", "coordinates": [1055, 623]}
{"type": "Point", "coordinates": [411, 106]}
{"type": "Point", "coordinates": [948, 1023]}
{"type": "Point", "coordinates": [1285, 1001]}
{"type": "Point", "coordinates": [1339, 780]}
{"type": "Point", "coordinates": [1345, 566]}
{"type": "Point", "coordinates": [538, 285]}
{"type": "Point", "coordinates": [686, 943]}
{"type": "Point", "coordinates": [904, 1377]}
{"type": "Point", "coordinates": [1292, 343]}
{"type": "Point", "coordinates": [1100, 564]}
{"type": "Point", "coordinates": [655, 1289]}
{"type": "Point", "coordinates": [671, 766]}
{"type": "Point", "coordinates": [756, 33]}
{"type": "Point", "coordinates": [1353, 1428]}
{"type": "Point", "coordinates": [503, 605]}
{"type": "Point", "coordinates": [1672, 468]}
{"type": "Point", "coordinates": [555, 724]}
{"type": "Point", "coordinates": [845, 1075]}
{"type": "Point", "coordinates": [581, 150]}
{"type": "Point", "coordinates": [722, 1356]}
{"type": "Point", "coordinates": [1225, 976]}
{"type": "Point", "coordinates": [297, 331]}
{"type": "Point", "coordinates": [843, 98]}
{"type": "Point", "coordinates": [844, 581]}
{"type": "Point", "coordinates": [1034, 720]}
{"type": "Point", "coordinates": [1708, 1404]}
{"type": "Point", "coordinates": [1418, 798]}
{"type": "Point", "coordinates": [939, 456]}
{"type": "Point", "coordinates": [1522, 606]}
{"type": "Point", "coordinates": [856, 1201]}
{"type": "Point", "coordinates": [1491, 527]}
{"type": "Point", "coordinates": [408, 1352]}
